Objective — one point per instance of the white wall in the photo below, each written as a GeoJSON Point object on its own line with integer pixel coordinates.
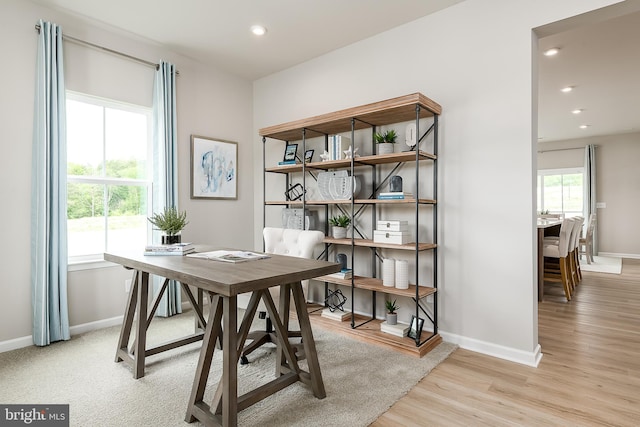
{"type": "Point", "coordinates": [210, 103]}
{"type": "Point", "coordinates": [617, 185]}
{"type": "Point", "coordinates": [476, 60]}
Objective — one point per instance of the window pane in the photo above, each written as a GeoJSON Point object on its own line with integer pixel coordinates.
{"type": "Point", "coordinates": [572, 192]}
{"type": "Point", "coordinates": [553, 193]}
{"type": "Point", "coordinates": [127, 220]}
{"type": "Point", "coordinates": [84, 138]}
{"type": "Point", "coordinates": [126, 144]}
{"type": "Point", "coordinates": [85, 212]}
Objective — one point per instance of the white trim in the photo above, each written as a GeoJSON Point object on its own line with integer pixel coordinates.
{"type": "Point", "coordinates": [27, 341]}
{"type": "Point", "coordinates": [507, 353]}
{"type": "Point", "coordinates": [617, 255]}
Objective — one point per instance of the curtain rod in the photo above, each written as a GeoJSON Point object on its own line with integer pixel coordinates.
{"type": "Point", "coordinates": [106, 49]}
{"type": "Point", "coordinates": [564, 149]}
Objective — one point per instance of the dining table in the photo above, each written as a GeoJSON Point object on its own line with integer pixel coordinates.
{"type": "Point", "coordinates": [546, 227]}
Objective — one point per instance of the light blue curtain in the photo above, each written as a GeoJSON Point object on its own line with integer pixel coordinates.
{"type": "Point", "coordinates": [49, 193]}
{"type": "Point", "coordinates": [590, 187]}
{"type": "Point", "coordinates": [165, 180]}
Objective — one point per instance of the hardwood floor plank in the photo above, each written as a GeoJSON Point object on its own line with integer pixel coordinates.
{"type": "Point", "coordinates": [589, 374]}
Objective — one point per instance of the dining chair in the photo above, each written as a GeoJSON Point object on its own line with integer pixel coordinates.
{"type": "Point", "coordinates": [281, 241]}
{"type": "Point", "coordinates": [585, 244]}
{"type": "Point", "coordinates": [556, 258]}
{"type": "Point", "coordinates": [574, 245]}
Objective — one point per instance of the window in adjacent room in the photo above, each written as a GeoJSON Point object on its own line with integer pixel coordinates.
{"type": "Point", "coordinates": [561, 191]}
{"type": "Point", "coordinates": [108, 177]}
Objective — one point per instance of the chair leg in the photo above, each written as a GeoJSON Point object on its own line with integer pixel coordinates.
{"type": "Point", "coordinates": [565, 276]}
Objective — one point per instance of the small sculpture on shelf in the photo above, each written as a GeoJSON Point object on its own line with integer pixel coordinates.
{"type": "Point", "coordinates": [325, 156]}
{"type": "Point", "coordinates": [348, 154]}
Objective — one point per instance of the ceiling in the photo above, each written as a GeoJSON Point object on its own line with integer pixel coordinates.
{"type": "Point", "coordinates": [602, 63]}
{"type": "Point", "coordinates": [600, 60]}
{"type": "Point", "coordinates": [217, 31]}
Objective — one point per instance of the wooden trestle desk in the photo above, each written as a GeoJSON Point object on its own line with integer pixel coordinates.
{"type": "Point", "coordinates": [226, 281]}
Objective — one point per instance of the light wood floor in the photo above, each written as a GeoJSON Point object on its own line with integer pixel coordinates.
{"type": "Point", "coordinates": [589, 374]}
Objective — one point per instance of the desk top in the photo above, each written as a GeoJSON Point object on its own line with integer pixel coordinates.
{"type": "Point", "coordinates": [225, 278]}
{"type": "Point", "coordinates": [546, 223]}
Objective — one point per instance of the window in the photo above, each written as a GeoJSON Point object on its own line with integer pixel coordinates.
{"type": "Point", "coordinates": [108, 177]}
{"type": "Point", "coordinates": [561, 191]}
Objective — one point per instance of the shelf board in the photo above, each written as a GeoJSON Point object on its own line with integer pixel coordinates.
{"type": "Point", "coordinates": [378, 159]}
{"type": "Point", "coordinates": [371, 244]}
{"type": "Point", "coordinates": [372, 284]}
{"type": "Point", "coordinates": [395, 110]}
{"type": "Point", "coordinates": [347, 202]}
{"type": "Point", "coordinates": [371, 333]}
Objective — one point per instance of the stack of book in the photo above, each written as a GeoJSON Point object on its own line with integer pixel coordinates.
{"type": "Point", "coordinates": [346, 273]}
{"type": "Point", "coordinates": [337, 145]}
{"type": "Point", "coordinates": [393, 195]}
{"type": "Point", "coordinates": [399, 329]}
{"type": "Point", "coordinates": [337, 314]}
{"type": "Point", "coordinates": [177, 249]}
{"type": "Point", "coordinates": [287, 162]}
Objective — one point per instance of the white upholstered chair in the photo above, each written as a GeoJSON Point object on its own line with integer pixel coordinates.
{"type": "Point", "coordinates": [585, 245]}
{"type": "Point", "coordinates": [281, 241]}
{"type": "Point", "coordinates": [556, 258]}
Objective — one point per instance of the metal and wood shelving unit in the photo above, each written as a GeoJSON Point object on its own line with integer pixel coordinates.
{"type": "Point", "coordinates": [415, 107]}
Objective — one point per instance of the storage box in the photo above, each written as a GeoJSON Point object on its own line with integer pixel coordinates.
{"type": "Point", "coordinates": [392, 225]}
{"type": "Point", "coordinates": [395, 237]}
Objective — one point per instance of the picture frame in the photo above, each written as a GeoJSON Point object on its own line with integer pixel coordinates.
{"type": "Point", "coordinates": [415, 327]}
{"type": "Point", "coordinates": [308, 155]}
{"type": "Point", "coordinates": [290, 152]}
{"type": "Point", "coordinates": [214, 168]}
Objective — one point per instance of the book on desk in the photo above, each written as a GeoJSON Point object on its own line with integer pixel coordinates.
{"type": "Point", "coordinates": [173, 249]}
{"type": "Point", "coordinates": [229, 256]}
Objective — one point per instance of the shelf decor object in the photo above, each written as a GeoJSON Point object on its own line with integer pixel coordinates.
{"type": "Point", "coordinates": [389, 258]}
{"type": "Point", "coordinates": [214, 164]}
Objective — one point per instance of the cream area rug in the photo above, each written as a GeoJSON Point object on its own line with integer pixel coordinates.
{"type": "Point", "coordinates": [361, 380]}
{"type": "Point", "coordinates": [602, 264]}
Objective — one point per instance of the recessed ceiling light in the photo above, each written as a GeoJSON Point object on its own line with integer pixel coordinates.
{"type": "Point", "coordinates": [584, 126]}
{"type": "Point", "coordinates": [552, 52]}
{"type": "Point", "coordinates": [577, 111]}
{"type": "Point", "coordinates": [258, 30]}
{"type": "Point", "coordinates": [567, 89]}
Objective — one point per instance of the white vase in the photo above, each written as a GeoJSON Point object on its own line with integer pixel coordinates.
{"type": "Point", "coordinates": [402, 274]}
{"type": "Point", "coordinates": [385, 148]}
{"type": "Point", "coordinates": [388, 272]}
{"type": "Point", "coordinates": [339, 232]}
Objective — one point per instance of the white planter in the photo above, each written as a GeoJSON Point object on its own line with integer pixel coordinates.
{"type": "Point", "coordinates": [385, 148]}
{"type": "Point", "coordinates": [339, 232]}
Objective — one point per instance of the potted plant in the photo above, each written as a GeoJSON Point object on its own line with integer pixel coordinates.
{"type": "Point", "coordinates": [170, 222]}
{"type": "Point", "coordinates": [385, 141]}
{"type": "Point", "coordinates": [392, 316]}
{"type": "Point", "coordinates": [339, 226]}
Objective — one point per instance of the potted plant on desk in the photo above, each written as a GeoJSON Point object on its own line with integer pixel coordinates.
{"type": "Point", "coordinates": [392, 316]}
{"type": "Point", "coordinates": [170, 222]}
{"type": "Point", "coordinates": [339, 226]}
{"type": "Point", "coordinates": [385, 141]}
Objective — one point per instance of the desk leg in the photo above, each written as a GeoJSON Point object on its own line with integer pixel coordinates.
{"type": "Point", "coordinates": [540, 264]}
{"type": "Point", "coordinates": [230, 362]}
{"type": "Point", "coordinates": [285, 306]}
{"type": "Point", "coordinates": [141, 325]}
{"type": "Point", "coordinates": [127, 323]}
{"type": "Point", "coordinates": [196, 407]}
{"type": "Point", "coordinates": [317, 385]}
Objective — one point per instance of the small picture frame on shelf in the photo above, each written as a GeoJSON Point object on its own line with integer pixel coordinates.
{"type": "Point", "coordinates": [308, 155]}
{"type": "Point", "coordinates": [290, 152]}
{"type": "Point", "coordinates": [415, 327]}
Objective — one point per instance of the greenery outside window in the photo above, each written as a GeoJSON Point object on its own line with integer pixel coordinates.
{"type": "Point", "coordinates": [109, 176]}
{"type": "Point", "coordinates": [560, 191]}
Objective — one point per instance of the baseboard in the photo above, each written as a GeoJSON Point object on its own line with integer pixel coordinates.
{"type": "Point", "coordinates": [494, 350]}
{"type": "Point", "coordinates": [27, 341]}
{"type": "Point", "coordinates": [617, 255]}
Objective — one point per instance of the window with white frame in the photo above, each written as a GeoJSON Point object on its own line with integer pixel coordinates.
{"type": "Point", "coordinates": [109, 174]}
{"type": "Point", "coordinates": [561, 191]}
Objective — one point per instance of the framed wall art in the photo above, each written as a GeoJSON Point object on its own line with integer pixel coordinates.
{"type": "Point", "coordinates": [214, 168]}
